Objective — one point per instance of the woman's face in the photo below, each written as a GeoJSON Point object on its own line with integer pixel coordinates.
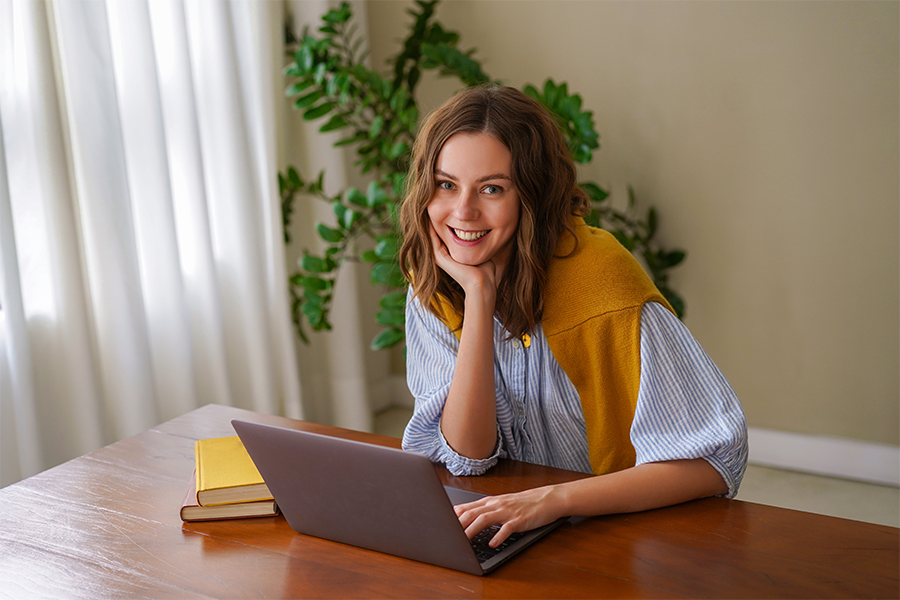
{"type": "Point", "coordinates": [475, 207]}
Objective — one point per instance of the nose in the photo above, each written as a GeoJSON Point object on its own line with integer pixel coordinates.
{"type": "Point", "coordinates": [466, 208]}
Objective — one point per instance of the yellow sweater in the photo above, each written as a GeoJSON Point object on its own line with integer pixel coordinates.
{"type": "Point", "coordinates": [592, 322]}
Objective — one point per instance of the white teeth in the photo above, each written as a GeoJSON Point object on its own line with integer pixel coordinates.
{"type": "Point", "coordinates": [469, 236]}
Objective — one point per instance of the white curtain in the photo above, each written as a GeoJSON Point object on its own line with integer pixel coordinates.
{"type": "Point", "coordinates": [142, 269]}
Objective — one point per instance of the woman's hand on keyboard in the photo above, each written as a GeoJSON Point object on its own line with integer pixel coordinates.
{"type": "Point", "coordinates": [513, 512]}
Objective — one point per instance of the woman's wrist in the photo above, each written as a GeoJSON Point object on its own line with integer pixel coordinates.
{"type": "Point", "coordinates": [483, 292]}
{"type": "Point", "coordinates": [559, 499]}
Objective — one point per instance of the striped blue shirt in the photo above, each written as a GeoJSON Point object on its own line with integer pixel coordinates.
{"type": "Point", "coordinates": [685, 407]}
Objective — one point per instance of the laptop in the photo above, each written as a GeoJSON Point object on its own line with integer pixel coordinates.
{"type": "Point", "coordinates": [373, 497]}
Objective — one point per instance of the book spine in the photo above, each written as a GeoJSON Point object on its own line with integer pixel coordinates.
{"type": "Point", "coordinates": [197, 463]}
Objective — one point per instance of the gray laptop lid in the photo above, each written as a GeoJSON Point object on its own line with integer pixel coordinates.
{"type": "Point", "coordinates": [365, 495]}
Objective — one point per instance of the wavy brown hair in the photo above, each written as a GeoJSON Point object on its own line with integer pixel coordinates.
{"type": "Point", "coordinates": [544, 176]}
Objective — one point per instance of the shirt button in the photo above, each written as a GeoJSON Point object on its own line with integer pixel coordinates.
{"type": "Point", "coordinates": [516, 344]}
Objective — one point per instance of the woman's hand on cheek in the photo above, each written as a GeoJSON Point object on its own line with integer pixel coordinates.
{"type": "Point", "coordinates": [513, 512]}
{"type": "Point", "coordinates": [471, 278]}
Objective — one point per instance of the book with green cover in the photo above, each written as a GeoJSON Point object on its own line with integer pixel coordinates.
{"type": "Point", "coordinates": [226, 473]}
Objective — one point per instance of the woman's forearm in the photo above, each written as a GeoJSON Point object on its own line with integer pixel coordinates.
{"type": "Point", "coordinates": [644, 487]}
{"type": "Point", "coordinates": [469, 419]}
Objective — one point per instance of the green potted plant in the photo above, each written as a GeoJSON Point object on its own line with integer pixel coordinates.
{"type": "Point", "coordinates": [378, 114]}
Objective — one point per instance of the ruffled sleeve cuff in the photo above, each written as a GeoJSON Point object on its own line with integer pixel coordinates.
{"type": "Point", "coordinates": [464, 466]}
{"type": "Point", "coordinates": [726, 473]}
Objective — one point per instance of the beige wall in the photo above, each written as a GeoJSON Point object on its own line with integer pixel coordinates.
{"type": "Point", "coordinates": [766, 133]}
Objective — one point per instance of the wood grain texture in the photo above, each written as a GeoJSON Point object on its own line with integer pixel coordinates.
{"type": "Point", "coordinates": [106, 525]}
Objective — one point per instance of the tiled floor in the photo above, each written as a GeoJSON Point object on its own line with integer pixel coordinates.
{"type": "Point", "coordinates": [800, 491]}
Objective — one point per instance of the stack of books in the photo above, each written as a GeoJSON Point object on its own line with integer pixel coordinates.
{"type": "Point", "coordinates": [225, 484]}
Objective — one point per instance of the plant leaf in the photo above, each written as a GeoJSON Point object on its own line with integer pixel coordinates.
{"type": "Point", "coordinates": [328, 234]}
{"type": "Point", "coordinates": [354, 196]}
{"type": "Point", "coordinates": [294, 177]}
{"type": "Point", "coordinates": [375, 196]}
{"type": "Point", "coordinates": [652, 222]}
{"type": "Point", "coordinates": [318, 111]}
{"type": "Point", "coordinates": [376, 127]}
{"type": "Point", "coordinates": [671, 258]}
{"type": "Point", "coordinates": [388, 273]}
{"type": "Point", "coordinates": [315, 264]}
{"type": "Point", "coordinates": [594, 191]}
{"type": "Point", "coordinates": [387, 338]}
{"type": "Point", "coordinates": [307, 100]}
{"type": "Point", "coordinates": [349, 218]}
{"type": "Point", "coordinates": [394, 300]}
{"type": "Point", "coordinates": [315, 283]}
{"type": "Point", "coordinates": [297, 88]}
{"type": "Point", "coordinates": [335, 122]}
{"type": "Point", "coordinates": [391, 316]}
{"type": "Point", "coordinates": [386, 248]}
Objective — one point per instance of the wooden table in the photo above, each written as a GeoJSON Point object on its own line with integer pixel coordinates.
{"type": "Point", "coordinates": [106, 525]}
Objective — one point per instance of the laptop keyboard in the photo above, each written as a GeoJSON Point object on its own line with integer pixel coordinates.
{"type": "Point", "coordinates": [481, 539]}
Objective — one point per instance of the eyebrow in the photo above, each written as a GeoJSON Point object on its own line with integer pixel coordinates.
{"type": "Point", "coordinates": [440, 173]}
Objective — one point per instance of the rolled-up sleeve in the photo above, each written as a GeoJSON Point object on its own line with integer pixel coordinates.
{"type": "Point", "coordinates": [686, 408]}
{"type": "Point", "coordinates": [431, 350]}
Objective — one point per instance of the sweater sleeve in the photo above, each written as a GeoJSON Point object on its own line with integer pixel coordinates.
{"type": "Point", "coordinates": [685, 409]}
{"type": "Point", "coordinates": [431, 350]}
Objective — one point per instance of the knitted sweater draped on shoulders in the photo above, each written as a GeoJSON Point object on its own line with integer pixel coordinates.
{"type": "Point", "coordinates": [592, 322]}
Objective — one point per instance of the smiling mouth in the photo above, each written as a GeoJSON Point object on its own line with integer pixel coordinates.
{"type": "Point", "coordinates": [469, 236]}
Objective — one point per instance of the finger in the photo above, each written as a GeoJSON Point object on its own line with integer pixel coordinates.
{"type": "Point", "coordinates": [483, 521]}
{"type": "Point", "coordinates": [502, 535]}
{"type": "Point", "coordinates": [436, 242]}
{"type": "Point", "coordinates": [468, 513]}
{"type": "Point", "coordinates": [474, 504]}
{"type": "Point", "coordinates": [441, 253]}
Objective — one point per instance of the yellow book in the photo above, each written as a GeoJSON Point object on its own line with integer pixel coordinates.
{"type": "Point", "coordinates": [226, 473]}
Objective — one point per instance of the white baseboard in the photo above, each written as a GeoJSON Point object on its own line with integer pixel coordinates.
{"type": "Point", "coordinates": [824, 455]}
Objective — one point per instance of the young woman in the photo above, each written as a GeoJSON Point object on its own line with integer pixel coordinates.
{"type": "Point", "coordinates": [535, 337]}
